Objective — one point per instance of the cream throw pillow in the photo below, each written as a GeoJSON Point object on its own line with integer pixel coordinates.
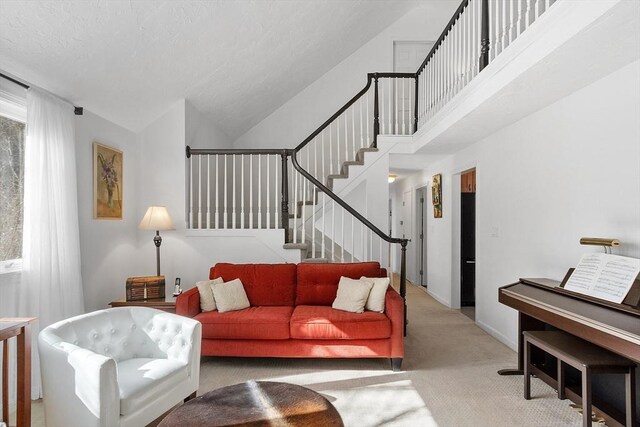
{"type": "Point", "coordinates": [230, 296]}
{"type": "Point", "coordinates": [375, 302]}
{"type": "Point", "coordinates": [205, 288]}
{"type": "Point", "coordinates": [352, 295]}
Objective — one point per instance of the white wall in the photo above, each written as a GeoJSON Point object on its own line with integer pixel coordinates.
{"type": "Point", "coordinates": [162, 171]}
{"type": "Point", "coordinates": [297, 118]}
{"type": "Point", "coordinates": [569, 170]}
{"type": "Point", "coordinates": [201, 132]}
{"type": "Point", "coordinates": [108, 247]}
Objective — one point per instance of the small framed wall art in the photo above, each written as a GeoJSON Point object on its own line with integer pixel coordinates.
{"type": "Point", "coordinates": [436, 195]}
{"type": "Point", "coordinates": [107, 182]}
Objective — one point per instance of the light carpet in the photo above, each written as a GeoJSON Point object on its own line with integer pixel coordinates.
{"type": "Point", "coordinates": [448, 378]}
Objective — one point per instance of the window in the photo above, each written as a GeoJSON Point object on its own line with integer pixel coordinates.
{"type": "Point", "coordinates": [12, 139]}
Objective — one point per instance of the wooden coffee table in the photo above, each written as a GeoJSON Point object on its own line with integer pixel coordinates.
{"type": "Point", "coordinates": [256, 403]}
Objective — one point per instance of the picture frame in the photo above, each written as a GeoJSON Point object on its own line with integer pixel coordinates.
{"type": "Point", "coordinates": [108, 182]}
{"type": "Point", "coordinates": [436, 195]}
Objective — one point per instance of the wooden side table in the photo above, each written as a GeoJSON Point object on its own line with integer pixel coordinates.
{"type": "Point", "coordinates": [158, 303]}
{"type": "Point", "coordinates": [19, 327]}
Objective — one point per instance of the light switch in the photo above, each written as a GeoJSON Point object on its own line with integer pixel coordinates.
{"type": "Point", "coordinates": [495, 232]}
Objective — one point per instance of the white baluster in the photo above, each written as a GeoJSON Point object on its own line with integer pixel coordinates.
{"type": "Point", "coordinates": [527, 15]}
{"type": "Point", "coordinates": [330, 152]}
{"type": "Point", "coordinates": [361, 123]}
{"type": "Point", "coordinates": [537, 13]}
{"type": "Point", "coordinates": [259, 191]}
{"type": "Point", "coordinates": [503, 27]}
{"type": "Point", "coordinates": [322, 150]}
{"type": "Point", "coordinates": [208, 192]}
{"type": "Point", "coordinates": [353, 127]}
{"type": "Point", "coordinates": [233, 189]}
{"type": "Point", "coordinates": [268, 212]}
{"type": "Point", "coordinates": [250, 191]}
{"type": "Point", "coordinates": [295, 207]}
{"type": "Point", "coordinates": [389, 128]}
{"type": "Point", "coordinates": [216, 218]}
{"type": "Point", "coordinates": [277, 219]}
{"type": "Point", "coordinates": [547, 3]}
{"type": "Point", "coordinates": [241, 190]}
{"type": "Point", "coordinates": [199, 191]}
{"type": "Point", "coordinates": [511, 19]}
{"type": "Point", "coordinates": [333, 230]}
{"type": "Point", "coordinates": [353, 239]}
{"type": "Point", "coordinates": [342, 244]}
{"type": "Point", "coordinates": [324, 228]}
{"type": "Point", "coordinates": [403, 106]}
{"type": "Point", "coordinates": [226, 217]}
{"type": "Point", "coordinates": [346, 139]}
{"type": "Point", "coordinates": [395, 128]}
{"type": "Point", "coordinates": [519, 28]}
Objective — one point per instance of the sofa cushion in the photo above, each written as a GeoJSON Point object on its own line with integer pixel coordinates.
{"type": "Point", "coordinates": [230, 296]}
{"type": "Point", "coordinates": [265, 284]}
{"type": "Point", "coordinates": [143, 381]}
{"type": "Point", "coordinates": [322, 322]}
{"type": "Point", "coordinates": [262, 323]}
{"type": "Point", "coordinates": [318, 283]}
{"type": "Point", "coordinates": [352, 295]}
{"type": "Point", "coordinates": [375, 301]}
{"type": "Point", "coordinates": [205, 289]}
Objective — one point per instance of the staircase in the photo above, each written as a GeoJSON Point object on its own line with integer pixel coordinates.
{"type": "Point", "coordinates": [293, 189]}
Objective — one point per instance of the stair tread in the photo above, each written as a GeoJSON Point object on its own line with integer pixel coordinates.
{"type": "Point", "coordinates": [315, 261]}
{"type": "Point", "coordinates": [337, 176]}
{"type": "Point", "coordinates": [353, 162]}
{"type": "Point", "coordinates": [295, 246]}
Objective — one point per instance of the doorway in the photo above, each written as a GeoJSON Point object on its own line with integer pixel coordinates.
{"type": "Point", "coordinates": [420, 236]}
{"type": "Point", "coordinates": [468, 242]}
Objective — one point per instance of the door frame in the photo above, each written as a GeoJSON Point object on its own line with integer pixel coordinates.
{"type": "Point", "coordinates": [456, 206]}
{"type": "Point", "coordinates": [421, 229]}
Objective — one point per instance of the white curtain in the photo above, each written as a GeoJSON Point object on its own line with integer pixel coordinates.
{"type": "Point", "coordinates": [51, 287]}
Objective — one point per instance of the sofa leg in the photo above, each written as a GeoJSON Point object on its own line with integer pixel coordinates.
{"type": "Point", "coordinates": [396, 363]}
{"type": "Point", "coordinates": [191, 396]}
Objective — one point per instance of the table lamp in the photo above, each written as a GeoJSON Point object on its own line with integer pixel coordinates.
{"type": "Point", "coordinates": [157, 218]}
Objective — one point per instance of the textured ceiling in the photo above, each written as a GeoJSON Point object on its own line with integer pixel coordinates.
{"type": "Point", "coordinates": [236, 61]}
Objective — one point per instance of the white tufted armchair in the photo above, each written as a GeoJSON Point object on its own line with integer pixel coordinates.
{"type": "Point", "coordinates": [118, 367]}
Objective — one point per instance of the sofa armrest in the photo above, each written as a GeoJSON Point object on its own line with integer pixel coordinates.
{"type": "Point", "coordinates": [188, 303]}
{"type": "Point", "coordinates": [80, 387]}
{"type": "Point", "coordinates": [394, 309]}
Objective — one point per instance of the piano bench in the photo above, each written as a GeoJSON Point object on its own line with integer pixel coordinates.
{"type": "Point", "coordinates": [585, 357]}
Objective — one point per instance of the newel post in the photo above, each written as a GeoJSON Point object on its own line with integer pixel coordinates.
{"type": "Point", "coordinates": [403, 280]}
{"type": "Point", "coordinates": [284, 196]}
{"type": "Point", "coordinates": [484, 36]}
{"type": "Point", "coordinates": [376, 112]}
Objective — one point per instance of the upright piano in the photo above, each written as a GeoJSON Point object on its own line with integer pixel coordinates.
{"type": "Point", "coordinates": [544, 304]}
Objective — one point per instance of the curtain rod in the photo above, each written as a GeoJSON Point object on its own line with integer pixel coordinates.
{"type": "Point", "coordinates": [76, 110]}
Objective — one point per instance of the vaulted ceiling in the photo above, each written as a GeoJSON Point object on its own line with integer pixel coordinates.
{"type": "Point", "coordinates": [236, 61]}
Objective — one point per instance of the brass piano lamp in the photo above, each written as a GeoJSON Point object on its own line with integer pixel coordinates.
{"type": "Point", "coordinates": [596, 241]}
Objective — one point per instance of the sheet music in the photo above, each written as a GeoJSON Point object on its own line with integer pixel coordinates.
{"type": "Point", "coordinates": [605, 276]}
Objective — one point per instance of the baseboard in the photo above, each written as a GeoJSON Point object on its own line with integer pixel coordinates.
{"type": "Point", "coordinates": [497, 335]}
{"type": "Point", "coordinates": [439, 299]}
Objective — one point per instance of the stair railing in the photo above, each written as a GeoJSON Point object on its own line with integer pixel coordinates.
{"type": "Point", "coordinates": [355, 215]}
{"type": "Point", "coordinates": [238, 189]}
{"type": "Point", "coordinates": [476, 34]}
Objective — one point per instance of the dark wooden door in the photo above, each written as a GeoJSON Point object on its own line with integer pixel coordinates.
{"type": "Point", "coordinates": [468, 250]}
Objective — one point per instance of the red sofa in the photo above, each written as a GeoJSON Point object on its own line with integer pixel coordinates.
{"type": "Point", "coordinates": [291, 315]}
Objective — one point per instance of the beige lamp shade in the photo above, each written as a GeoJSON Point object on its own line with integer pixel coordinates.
{"type": "Point", "coordinates": [156, 218]}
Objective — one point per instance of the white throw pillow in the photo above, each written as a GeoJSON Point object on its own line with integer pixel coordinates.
{"type": "Point", "coordinates": [230, 296]}
{"type": "Point", "coordinates": [205, 288]}
{"type": "Point", "coordinates": [375, 302]}
{"type": "Point", "coordinates": [352, 295]}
